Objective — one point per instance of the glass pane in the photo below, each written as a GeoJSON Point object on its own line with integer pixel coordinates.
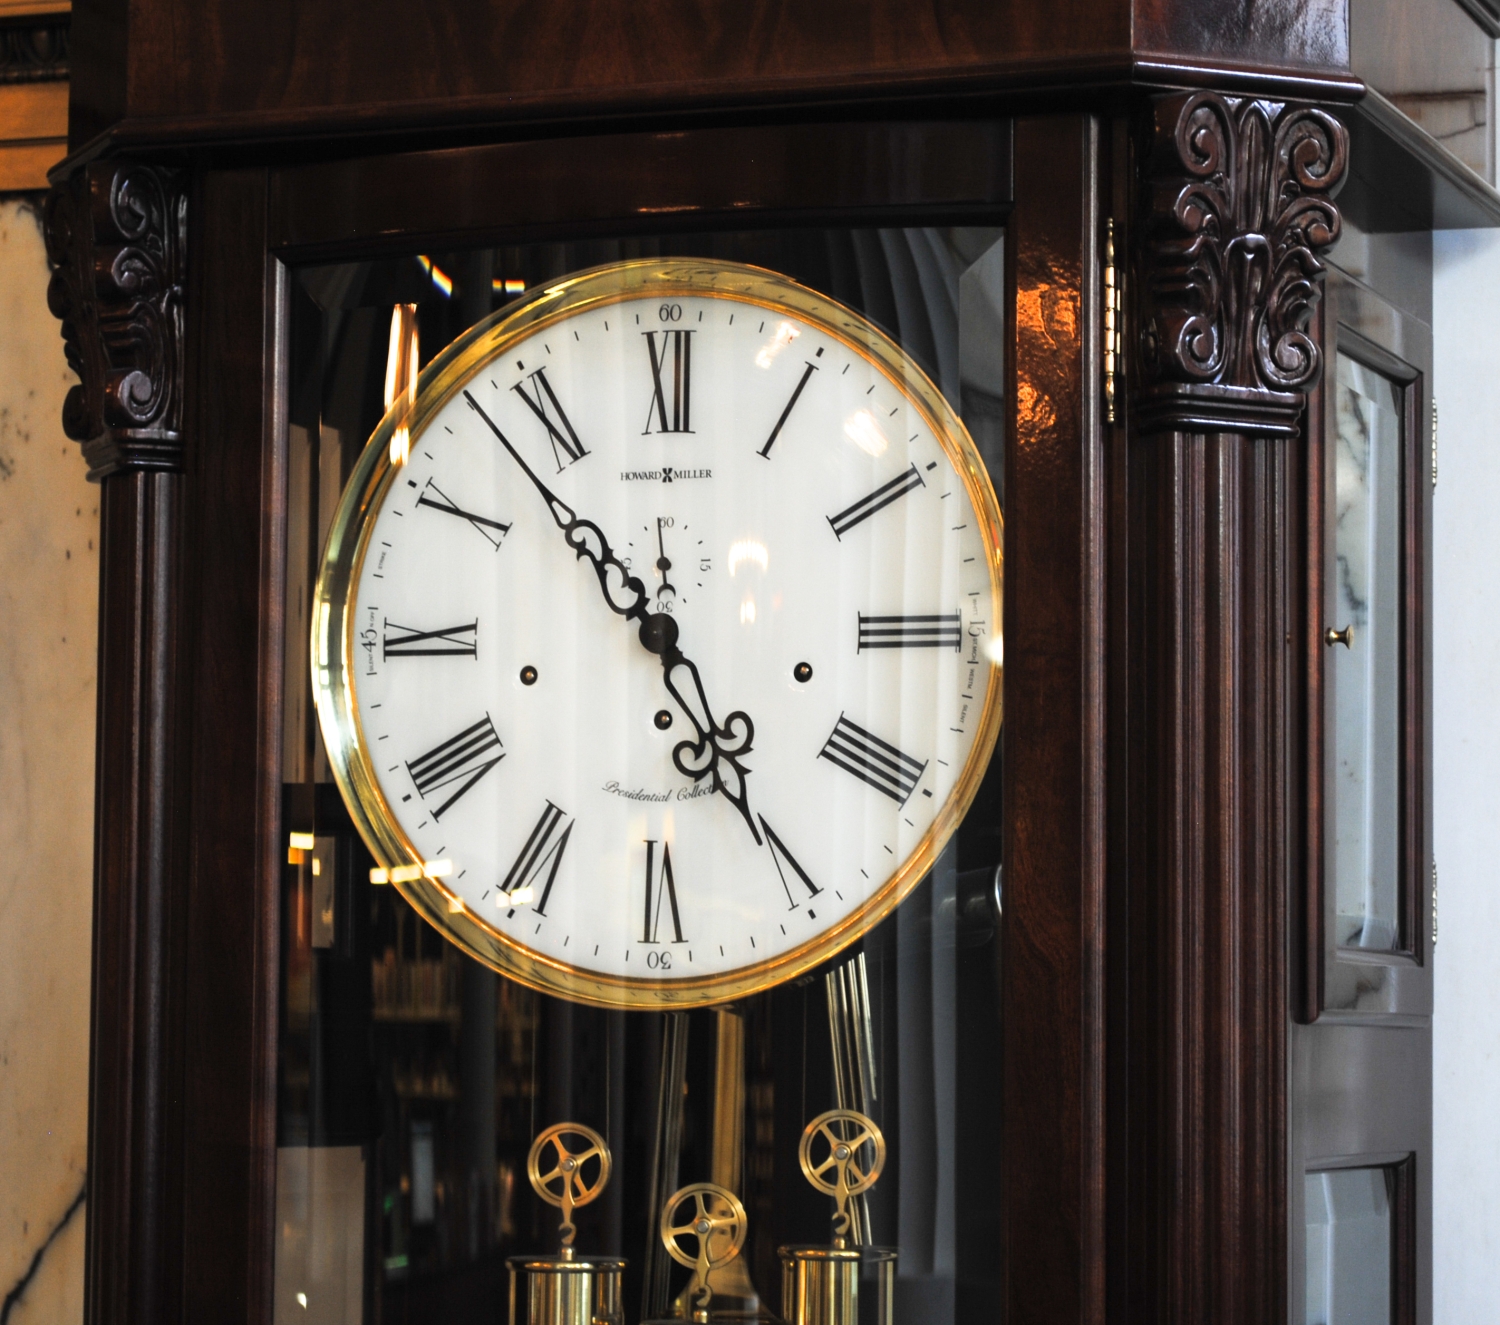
{"type": "Point", "coordinates": [1365, 591]}
{"type": "Point", "coordinates": [413, 1079]}
{"type": "Point", "coordinates": [1349, 1247]}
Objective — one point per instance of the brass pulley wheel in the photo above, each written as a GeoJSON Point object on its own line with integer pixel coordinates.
{"type": "Point", "coordinates": [579, 1169]}
{"type": "Point", "coordinates": [844, 1133]}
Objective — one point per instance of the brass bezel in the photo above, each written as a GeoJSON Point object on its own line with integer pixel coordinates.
{"type": "Point", "coordinates": [333, 646]}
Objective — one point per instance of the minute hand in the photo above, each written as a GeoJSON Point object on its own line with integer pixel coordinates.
{"type": "Point", "coordinates": [718, 749]}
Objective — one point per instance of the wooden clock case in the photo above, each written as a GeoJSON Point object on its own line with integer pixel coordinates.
{"type": "Point", "coordinates": [1157, 633]}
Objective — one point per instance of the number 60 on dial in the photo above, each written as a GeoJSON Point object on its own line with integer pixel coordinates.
{"type": "Point", "coordinates": [670, 657]}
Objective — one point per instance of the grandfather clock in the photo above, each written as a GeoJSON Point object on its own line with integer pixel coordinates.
{"type": "Point", "coordinates": [1068, 267]}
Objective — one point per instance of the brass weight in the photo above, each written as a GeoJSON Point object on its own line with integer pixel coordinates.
{"type": "Point", "coordinates": [568, 1166]}
{"type": "Point", "coordinates": [821, 1285]}
{"type": "Point", "coordinates": [702, 1226]}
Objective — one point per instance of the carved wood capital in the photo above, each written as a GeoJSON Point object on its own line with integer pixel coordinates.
{"type": "Point", "coordinates": [1239, 210]}
{"type": "Point", "coordinates": [117, 242]}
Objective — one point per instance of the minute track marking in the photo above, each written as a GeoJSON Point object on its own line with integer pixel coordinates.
{"type": "Point", "coordinates": [718, 746]}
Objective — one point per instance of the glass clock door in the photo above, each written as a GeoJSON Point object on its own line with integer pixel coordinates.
{"type": "Point", "coordinates": [414, 1080]}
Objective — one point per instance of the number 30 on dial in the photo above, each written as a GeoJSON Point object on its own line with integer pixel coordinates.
{"type": "Point", "coordinates": [669, 658]}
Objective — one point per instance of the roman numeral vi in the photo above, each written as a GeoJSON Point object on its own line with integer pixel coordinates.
{"type": "Point", "coordinates": [660, 888]}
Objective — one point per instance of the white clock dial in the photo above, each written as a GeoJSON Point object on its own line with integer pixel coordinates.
{"type": "Point", "coordinates": [671, 653]}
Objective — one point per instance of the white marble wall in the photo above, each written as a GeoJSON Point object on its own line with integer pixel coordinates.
{"type": "Point", "coordinates": [49, 584]}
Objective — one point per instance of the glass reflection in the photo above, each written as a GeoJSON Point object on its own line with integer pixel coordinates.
{"type": "Point", "coordinates": [413, 1080]}
{"type": "Point", "coordinates": [1364, 597]}
{"type": "Point", "coordinates": [1349, 1247]}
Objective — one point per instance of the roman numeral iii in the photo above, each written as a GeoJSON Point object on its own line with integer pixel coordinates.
{"type": "Point", "coordinates": [460, 760]}
{"type": "Point", "coordinates": [544, 847]}
{"type": "Point", "coordinates": [872, 760]}
{"type": "Point", "coordinates": [448, 641]}
{"type": "Point", "coordinates": [933, 631]}
{"type": "Point", "coordinates": [671, 381]}
{"type": "Point", "coordinates": [660, 887]}
{"type": "Point", "coordinates": [542, 401]}
{"type": "Point", "coordinates": [878, 500]}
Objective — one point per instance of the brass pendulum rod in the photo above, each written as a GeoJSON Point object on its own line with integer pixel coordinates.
{"type": "Point", "coordinates": [852, 1035]}
{"type": "Point", "coordinates": [732, 1289]}
{"type": "Point", "coordinates": [671, 1088]}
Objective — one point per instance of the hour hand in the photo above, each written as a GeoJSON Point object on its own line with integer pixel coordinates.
{"type": "Point", "coordinates": [625, 594]}
{"type": "Point", "coordinates": [718, 748]}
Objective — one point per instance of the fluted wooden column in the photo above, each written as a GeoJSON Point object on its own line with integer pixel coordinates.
{"type": "Point", "coordinates": [116, 236]}
{"type": "Point", "coordinates": [1237, 208]}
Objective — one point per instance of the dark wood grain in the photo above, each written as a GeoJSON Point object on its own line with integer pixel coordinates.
{"type": "Point", "coordinates": [1405, 1242]}
{"type": "Point", "coordinates": [814, 173]}
{"type": "Point", "coordinates": [114, 241]}
{"type": "Point", "coordinates": [1054, 742]}
{"type": "Point", "coordinates": [1212, 566]}
{"type": "Point", "coordinates": [1313, 34]}
{"type": "Point", "coordinates": [135, 1065]}
{"type": "Point", "coordinates": [1309, 487]}
{"type": "Point", "coordinates": [1208, 858]}
{"type": "Point", "coordinates": [180, 71]}
{"type": "Point", "coordinates": [234, 528]}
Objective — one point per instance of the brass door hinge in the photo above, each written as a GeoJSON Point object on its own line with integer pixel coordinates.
{"type": "Point", "coordinates": [1434, 441]}
{"type": "Point", "coordinates": [1114, 319]}
{"type": "Point", "coordinates": [1434, 902]}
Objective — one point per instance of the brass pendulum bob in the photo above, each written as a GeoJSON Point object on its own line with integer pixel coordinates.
{"type": "Point", "coordinates": [567, 1289]}
{"type": "Point", "coordinates": [702, 1226]}
{"type": "Point", "coordinates": [820, 1285]}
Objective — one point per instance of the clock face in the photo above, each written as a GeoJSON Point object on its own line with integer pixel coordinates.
{"type": "Point", "coordinates": [668, 657]}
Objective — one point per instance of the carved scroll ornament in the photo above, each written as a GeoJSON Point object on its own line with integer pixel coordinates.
{"type": "Point", "coordinates": [116, 239]}
{"type": "Point", "coordinates": [1240, 210]}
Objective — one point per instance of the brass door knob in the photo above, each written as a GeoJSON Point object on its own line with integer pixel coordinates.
{"type": "Point", "coordinates": [1344, 636]}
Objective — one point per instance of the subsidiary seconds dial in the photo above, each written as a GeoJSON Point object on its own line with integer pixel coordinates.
{"type": "Point", "coordinates": [668, 658]}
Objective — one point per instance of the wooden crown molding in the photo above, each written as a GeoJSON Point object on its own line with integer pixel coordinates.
{"type": "Point", "coordinates": [1238, 212]}
{"type": "Point", "coordinates": [116, 240]}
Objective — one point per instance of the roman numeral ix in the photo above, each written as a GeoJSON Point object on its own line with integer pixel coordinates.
{"type": "Point", "coordinates": [538, 400]}
{"type": "Point", "coordinates": [784, 861]}
{"type": "Point", "coordinates": [872, 760]}
{"type": "Point", "coordinates": [934, 631]}
{"type": "Point", "coordinates": [878, 500]}
{"type": "Point", "coordinates": [659, 888]}
{"type": "Point", "coordinates": [449, 641]}
{"type": "Point", "coordinates": [672, 399]}
{"type": "Point", "coordinates": [546, 844]}
{"type": "Point", "coordinates": [461, 759]}
{"type": "Point", "coordinates": [442, 502]}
